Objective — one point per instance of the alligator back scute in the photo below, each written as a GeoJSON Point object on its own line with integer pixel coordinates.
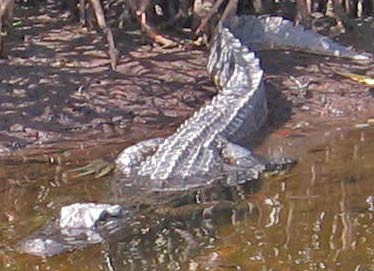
{"type": "Point", "coordinates": [180, 145]}
{"type": "Point", "coordinates": [192, 150]}
{"type": "Point", "coordinates": [220, 61]}
{"type": "Point", "coordinates": [252, 112]}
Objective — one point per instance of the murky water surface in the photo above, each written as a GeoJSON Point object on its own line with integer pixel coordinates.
{"type": "Point", "coordinates": [320, 216]}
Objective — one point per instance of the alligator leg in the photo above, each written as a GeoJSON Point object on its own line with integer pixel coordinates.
{"type": "Point", "coordinates": [99, 168]}
{"type": "Point", "coordinates": [128, 160]}
{"type": "Point", "coordinates": [131, 157]}
{"type": "Point", "coordinates": [238, 156]}
{"type": "Point", "coordinates": [240, 164]}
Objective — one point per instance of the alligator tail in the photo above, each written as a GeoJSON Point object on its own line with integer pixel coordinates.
{"type": "Point", "coordinates": [273, 32]}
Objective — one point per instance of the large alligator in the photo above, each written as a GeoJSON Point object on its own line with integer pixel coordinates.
{"type": "Point", "coordinates": [206, 145]}
{"type": "Point", "coordinates": [203, 145]}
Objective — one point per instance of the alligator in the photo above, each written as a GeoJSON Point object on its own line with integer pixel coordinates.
{"type": "Point", "coordinates": [207, 143]}
{"type": "Point", "coordinates": [206, 147]}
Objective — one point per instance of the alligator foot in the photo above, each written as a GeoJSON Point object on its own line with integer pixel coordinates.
{"type": "Point", "coordinates": [99, 168]}
{"type": "Point", "coordinates": [279, 165]}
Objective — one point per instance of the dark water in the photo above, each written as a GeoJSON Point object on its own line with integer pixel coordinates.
{"type": "Point", "coordinates": [317, 217]}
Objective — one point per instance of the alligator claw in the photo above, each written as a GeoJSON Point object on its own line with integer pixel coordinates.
{"type": "Point", "coordinates": [99, 168]}
{"type": "Point", "coordinates": [105, 171]}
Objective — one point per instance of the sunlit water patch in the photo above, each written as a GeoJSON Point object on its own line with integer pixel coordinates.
{"type": "Point", "coordinates": [319, 216]}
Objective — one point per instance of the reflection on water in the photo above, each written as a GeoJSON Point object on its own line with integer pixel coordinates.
{"type": "Point", "coordinates": [317, 217]}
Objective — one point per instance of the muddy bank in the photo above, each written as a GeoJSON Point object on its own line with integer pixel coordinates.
{"type": "Point", "coordinates": [57, 85]}
{"type": "Point", "coordinates": [58, 93]}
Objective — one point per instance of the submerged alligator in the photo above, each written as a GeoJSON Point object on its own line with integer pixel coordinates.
{"type": "Point", "coordinates": [206, 145]}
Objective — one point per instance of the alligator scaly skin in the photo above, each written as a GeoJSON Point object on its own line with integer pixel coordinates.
{"type": "Point", "coordinates": [195, 149]}
{"type": "Point", "coordinates": [274, 32]}
{"type": "Point", "coordinates": [201, 146]}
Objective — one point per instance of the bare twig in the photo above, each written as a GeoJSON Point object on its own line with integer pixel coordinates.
{"type": "Point", "coordinates": [100, 17]}
{"type": "Point", "coordinates": [153, 33]}
{"type": "Point", "coordinates": [6, 13]}
{"type": "Point", "coordinates": [230, 10]}
{"type": "Point", "coordinates": [205, 21]}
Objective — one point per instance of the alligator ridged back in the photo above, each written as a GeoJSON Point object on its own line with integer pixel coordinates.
{"type": "Point", "coordinates": [194, 148]}
{"type": "Point", "coordinates": [240, 105]}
